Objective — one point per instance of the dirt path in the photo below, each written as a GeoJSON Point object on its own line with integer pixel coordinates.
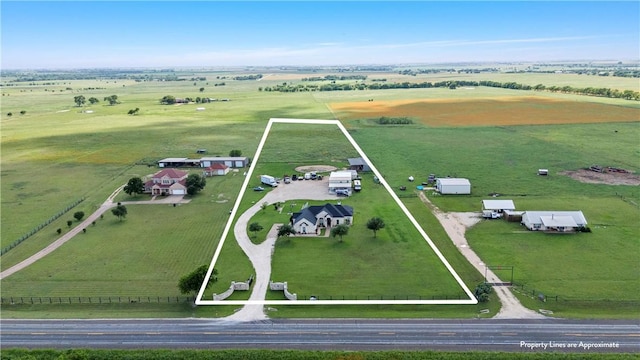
{"type": "Point", "coordinates": [455, 225]}
{"type": "Point", "coordinates": [108, 204]}
{"type": "Point", "coordinates": [260, 255]}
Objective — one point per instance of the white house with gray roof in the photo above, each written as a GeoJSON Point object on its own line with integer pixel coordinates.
{"type": "Point", "coordinates": [554, 221]}
{"type": "Point", "coordinates": [312, 218]}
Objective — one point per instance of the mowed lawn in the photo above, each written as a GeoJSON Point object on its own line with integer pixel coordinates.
{"type": "Point", "coordinates": [398, 263]}
{"type": "Point", "coordinates": [597, 267]}
{"type": "Point", "coordinates": [143, 255]}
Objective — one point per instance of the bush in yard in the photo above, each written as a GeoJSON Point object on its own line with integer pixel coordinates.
{"type": "Point", "coordinates": [482, 292]}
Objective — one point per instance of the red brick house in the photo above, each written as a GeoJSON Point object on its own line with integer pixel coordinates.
{"type": "Point", "coordinates": [167, 182]}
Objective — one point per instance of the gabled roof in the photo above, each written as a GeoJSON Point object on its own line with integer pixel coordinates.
{"type": "Point", "coordinates": [305, 214]}
{"type": "Point", "coordinates": [311, 213]}
{"type": "Point", "coordinates": [538, 217]}
{"type": "Point", "coordinates": [170, 173]}
{"type": "Point", "coordinates": [553, 221]}
{"type": "Point", "coordinates": [498, 205]}
{"type": "Point", "coordinates": [218, 166]}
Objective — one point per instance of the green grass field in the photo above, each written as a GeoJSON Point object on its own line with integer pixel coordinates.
{"type": "Point", "coordinates": [55, 154]}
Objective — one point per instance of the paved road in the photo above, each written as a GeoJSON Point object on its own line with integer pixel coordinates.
{"type": "Point", "coordinates": [352, 334]}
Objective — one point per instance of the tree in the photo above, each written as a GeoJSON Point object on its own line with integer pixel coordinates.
{"type": "Point", "coordinates": [59, 231]}
{"type": "Point", "coordinates": [9, 114]}
{"type": "Point", "coordinates": [194, 280]}
{"type": "Point", "coordinates": [133, 111]}
{"type": "Point", "coordinates": [482, 292]}
{"type": "Point", "coordinates": [79, 100]}
{"type": "Point", "coordinates": [119, 211]}
{"type": "Point", "coordinates": [375, 224]}
{"type": "Point", "coordinates": [93, 100]}
{"type": "Point", "coordinates": [264, 205]}
{"type": "Point", "coordinates": [22, 112]}
{"type": "Point", "coordinates": [201, 89]}
{"type": "Point", "coordinates": [235, 153]}
{"type": "Point", "coordinates": [285, 230]}
{"type": "Point", "coordinates": [254, 228]}
{"type": "Point", "coordinates": [134, 186]}
{"type": "Point", "coordinates": [69, 223]}
{"type": "Point", "coordinates": [168, 100]}
{"type": "Point", "coordinates": [113, 99]}
{"type": "Point", "coordinates": [195, 183]}
{"type": "Point", "coordinates": [78, 215]}
{"type": "Point", "coordinates": [340, 231]}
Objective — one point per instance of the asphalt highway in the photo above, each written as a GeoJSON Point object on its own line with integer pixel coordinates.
{"type": "Point", "coordinates": [581, 336]}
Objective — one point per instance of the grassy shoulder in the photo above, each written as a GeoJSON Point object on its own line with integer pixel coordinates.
{"type": "Point", "coordinates": [10, 354]}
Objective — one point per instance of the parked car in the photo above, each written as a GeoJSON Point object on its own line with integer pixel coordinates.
{"type": "Point", "coordinates": [258, 188]}
{"type": "Point", "coordinates": [294, 177]}
{"type": "Point", "coordinates": [287, 179]}
{"type": "Point", "coordinates": [342, 192]}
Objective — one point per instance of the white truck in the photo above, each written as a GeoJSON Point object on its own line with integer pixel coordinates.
{"type": "Point", "coordinates": [268, 180]}
{"type": "Point", "coordinates": [357, 185]}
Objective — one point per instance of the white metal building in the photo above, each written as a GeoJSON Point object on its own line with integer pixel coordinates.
{"type": "Point", "coordinates": [339, 180]}
{"type": "Point", "coordinates": [453, 186]}
{"type": "Point", "coordinates": [498, 205]}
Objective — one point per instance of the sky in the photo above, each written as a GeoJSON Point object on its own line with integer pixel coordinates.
{"type": "Point", "coordinates": [99, 34]}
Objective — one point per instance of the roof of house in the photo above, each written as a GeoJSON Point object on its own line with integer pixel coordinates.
{"type": "Point", "coordinates": [453, 181]}
{"type": "Point", "coordinates": [171, 173]}
{"type": "Point", "coordinates": [498, 205]}
{"type": "Point", "coordinates": [218, 166]}
{"type": "Point", "coordinates": [553, 221]}
{"type": "Point", "coordinates": [536, 217]}
{"type": "Point", "coordinates": [310, 213]}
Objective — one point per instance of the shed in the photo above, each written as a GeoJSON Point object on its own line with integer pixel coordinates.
{"type": "Point", "coordinates": [453, 186]}
{"type": "Point", "coordinates": [232, 162]}
{"type": "Point", "coordinates": [513, 216]}
{"type": "Point", "coordinates": [358, 164]}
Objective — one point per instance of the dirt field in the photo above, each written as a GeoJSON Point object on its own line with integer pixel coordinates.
{"type": "Point", "coordinates": [318, 168]}
{"type": "Point", "coordinates": [610, 178]}
{"type": "Point", "coordinates": [495, 111]}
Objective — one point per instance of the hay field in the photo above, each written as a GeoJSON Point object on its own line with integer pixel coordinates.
{"type": "Point", "coordinates": [500, 111]}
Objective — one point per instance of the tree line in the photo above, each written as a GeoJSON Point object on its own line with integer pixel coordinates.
{"type": "Point", "coordinates": [453, 84]}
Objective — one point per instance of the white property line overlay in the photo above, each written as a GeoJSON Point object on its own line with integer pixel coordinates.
{"type": "Point", "coordinates": [471, 301]}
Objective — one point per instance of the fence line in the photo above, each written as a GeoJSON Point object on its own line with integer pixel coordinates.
{"type": "Point", "coordinates": [40, 227]}
{"type": "Point", "coordinates": [533, 293]}
{"type": "Point", "coordinates": [32, 300]}
{"type": "Point", "coordinates": [383, 297]}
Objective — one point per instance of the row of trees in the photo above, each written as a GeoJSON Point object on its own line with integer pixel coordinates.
{"type": "Point", "coordinates": [604, 92]}
{"type": "Point", "coordinates": [80, 100]}
{"type": "Point", "coordinates": [170, 99]}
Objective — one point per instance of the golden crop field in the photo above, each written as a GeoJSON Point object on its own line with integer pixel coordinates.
{"type": "Point", "coordinates": [493, 111]}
